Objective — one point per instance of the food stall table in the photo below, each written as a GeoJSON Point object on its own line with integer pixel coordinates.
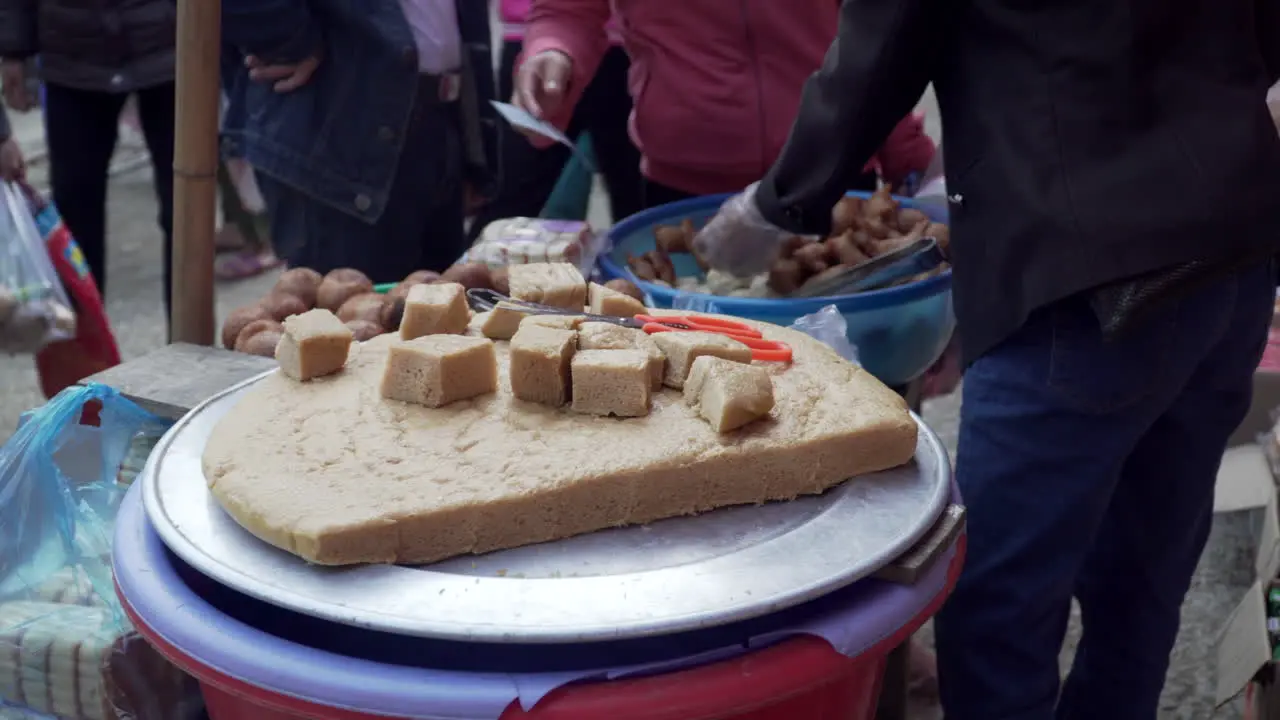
{"type": "Point", "coordinates": [304, 668]}
{"type": "Point", "coordinates": [152, 381]}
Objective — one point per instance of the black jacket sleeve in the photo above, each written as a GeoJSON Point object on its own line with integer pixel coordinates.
{"type": "Point", "coordinates": [1268, 23]}
{"type": "Point", "coordinates": [6, 130]}
{"type": "Point", "coordinates": [875, 71]}
{"type": "Point", "coordinates": [275, 31]}
{"type": "Point", "coordinates": [17, 29]}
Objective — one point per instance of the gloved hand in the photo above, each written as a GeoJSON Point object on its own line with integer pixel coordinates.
{"type": "Point", "coordinates": [542, 82]}
{"type": "Point", "coordinates": [738, 240]}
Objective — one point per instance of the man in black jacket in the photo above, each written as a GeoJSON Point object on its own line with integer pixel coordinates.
{"type": "Point", "coordinates": [1114, 181]}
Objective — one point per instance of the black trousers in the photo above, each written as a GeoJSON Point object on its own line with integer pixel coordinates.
{"type": "Point", "coordinates": [529, 174]}
{"type": "Point", "coordinates": [81, 129]}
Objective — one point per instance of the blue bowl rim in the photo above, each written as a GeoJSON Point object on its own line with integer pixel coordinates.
{"type": "Point", "coordinates": [873, 300]}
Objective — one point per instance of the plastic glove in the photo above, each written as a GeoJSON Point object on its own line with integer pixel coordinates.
{"type": "Point", "coordinates": [542, 84]}
{"type": "Point", "coordinates": [738, 239]}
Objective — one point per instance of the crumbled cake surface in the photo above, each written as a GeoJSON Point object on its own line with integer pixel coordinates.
{"type": "Point", "coordinates": [332, 472]}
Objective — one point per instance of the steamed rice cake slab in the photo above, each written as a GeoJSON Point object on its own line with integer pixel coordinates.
{"type": "Point", "coordinates": [332, 472]}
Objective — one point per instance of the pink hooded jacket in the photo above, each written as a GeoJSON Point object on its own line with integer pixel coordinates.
{"type": "Point", "coordinates": [515, 16]}
{"type": "Point", "coordinates": [716, 83]}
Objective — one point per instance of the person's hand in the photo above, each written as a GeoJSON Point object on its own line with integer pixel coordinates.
{"type": "Point", "coordinates": [283, 77]}
{"type": "Point", "coordinates": [13, 75]}
{"type": "Point", "coordinates": [13, 167]}
{"type": "Point", "coordinates": [738, 240]}
{"type": "Point", "coordinates": [542, 82]}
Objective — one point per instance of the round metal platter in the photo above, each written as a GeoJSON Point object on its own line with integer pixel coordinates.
{"type": "Point", "coordinates": [671, 576]}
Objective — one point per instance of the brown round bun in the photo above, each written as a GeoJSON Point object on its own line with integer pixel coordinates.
{"type": "Point", "coordinates": [349, 275]}
{"type": "Point", "coordinates": [813, 257]}
{"type": "Point", "coordinates": [362, 330]}
{"type": "Point", "coordinates": [469, 275]}
{"type": "Point", "coordinates": [365, 306]}
{"type": "Point", "coordinates": [392, 313]}
{"type": "Point", "coordinates": [282, 305]}
{"type": "Point", "coordinates": [785, 276]}
{"type": "Point", "coordinates": [301, 283]}
{"type": "Point", "coordinates": [501, 280]}
{"type": "Point", "coordinates": [419, 277]}
{"type": "Point", "coordinates": [254, 328]}
{"type": "Point", "coordinates": [340, 286]}
{"type": "Point", "coordinates": [909, 218]}
{"type": "Point", "coordinates": [238, 320]}
{"type": "Point", "coordinates": [263, 344]}
{"type": "Point", "coordinates": [626, 287]}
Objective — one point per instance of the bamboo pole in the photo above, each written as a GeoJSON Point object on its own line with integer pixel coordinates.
{"type": "Point", "coordinates": [195, 168]}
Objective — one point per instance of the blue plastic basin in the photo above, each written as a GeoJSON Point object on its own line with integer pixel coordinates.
{"type": "Point", "coordinates": [899, 331]}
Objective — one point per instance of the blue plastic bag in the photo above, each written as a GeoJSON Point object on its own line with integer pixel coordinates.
{"type": "Point", "coordinates": [54, 515]}
{"type": "Point", "coordinates": [67, 649]}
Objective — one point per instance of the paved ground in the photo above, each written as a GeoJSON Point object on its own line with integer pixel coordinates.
{"type": "Point", "coordinates": [135, 307]}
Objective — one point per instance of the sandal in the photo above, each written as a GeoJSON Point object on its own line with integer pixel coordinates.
{"type": "Point", "coordinates": [227, 239]}
{"type": "Point", "coordinates": [244, 264]}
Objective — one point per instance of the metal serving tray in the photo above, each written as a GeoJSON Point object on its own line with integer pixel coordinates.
{"type": "Point", "coordinates": [671, 576]}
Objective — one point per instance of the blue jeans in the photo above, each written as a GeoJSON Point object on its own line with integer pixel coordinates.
{"type": "Point", "coordinates": [1088, 470]}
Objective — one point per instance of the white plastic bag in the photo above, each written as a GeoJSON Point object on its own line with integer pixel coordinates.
{"type": "Point", "coordinates": [829, 326]}
{"type": "Point", "coordinates": [34, 307]}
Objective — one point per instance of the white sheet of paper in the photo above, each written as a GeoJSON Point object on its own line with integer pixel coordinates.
{"type": "Point", "coordinates": [520, 118]}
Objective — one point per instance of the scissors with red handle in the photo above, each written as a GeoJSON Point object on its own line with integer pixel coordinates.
{"type": "Point", "coordinates": [761, 349]}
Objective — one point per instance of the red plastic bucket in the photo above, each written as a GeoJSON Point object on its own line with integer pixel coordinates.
{"type": "Point", "coordinates": [800, 678]}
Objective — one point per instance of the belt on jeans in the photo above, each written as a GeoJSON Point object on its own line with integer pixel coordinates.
{"type": "Point", "coordinates": [439, 89]}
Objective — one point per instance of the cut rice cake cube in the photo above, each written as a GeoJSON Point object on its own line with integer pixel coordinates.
{"type": "Point", "coordinates": [539, 364]}
{"type": "Point", "coordinates": [607, 336]}
{"type": "Point", "coordinates": [682, 348]}
{"type": "Point", "coordinates": [436, 370]}
{"type": "Point", "coordinates": [607, 301]}
{"type": "Point", "coordinates": [313, 344]}
{"type": "Point", "coordinates": [555, 284]}
{"type": "Point", "coordinates": [611, 382]}
{"type": "Point", "coordinates": [503, 321]}
{"type": "Point", "coordinates": [728, 394]}
{"type": "Point", "coordinates": [435, 309]}
{"type": "Point", "coordinates": [595, 335]}
{"type": "Point", "coordinates": [559, 322]}
{"type": "Point", "coordinates": [657, 360]}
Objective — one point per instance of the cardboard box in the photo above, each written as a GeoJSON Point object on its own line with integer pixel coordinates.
{"type": "Point", "coordinates": [1245, 482]}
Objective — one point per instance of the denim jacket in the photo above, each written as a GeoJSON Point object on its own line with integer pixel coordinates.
{"type": "Point", "coordinates": [338, 138]}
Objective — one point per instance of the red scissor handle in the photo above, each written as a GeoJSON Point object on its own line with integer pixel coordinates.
{"type": "Point", "coordinates": [705, 324]}
{"type": "Point", "coordinates": [761, 349]}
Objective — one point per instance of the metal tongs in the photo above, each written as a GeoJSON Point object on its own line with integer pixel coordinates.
{"type": "Point", "coordinates": [881, 271]}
